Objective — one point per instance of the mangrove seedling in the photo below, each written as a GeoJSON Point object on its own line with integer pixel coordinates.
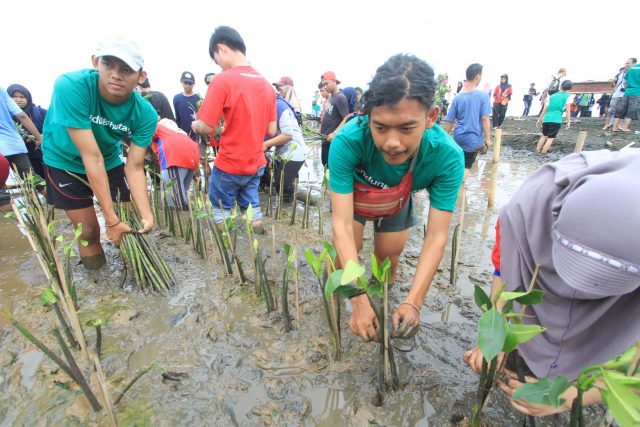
{"type": "Point", "coordinates": [290, 253]}
{"type": "Point", "coordinates": [294, 202]}
{"type": "Point", "coordinates": [497, 335]}
{"type": "Point", "coordinates": [328, 254]}
{"type": "Point", "coordinates": [350, 282]}
{"type": "Point", "coordinates": [617, 381]}
{"type": "Point", "coordinates": [261, 281]}
{"type": "Point", "coordinates": [229, 224]}
{"type": "Point", "coordinates": [323, 191]}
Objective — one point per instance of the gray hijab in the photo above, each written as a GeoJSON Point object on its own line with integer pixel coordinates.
{"type": "Point", "coordinates": [579, 218]}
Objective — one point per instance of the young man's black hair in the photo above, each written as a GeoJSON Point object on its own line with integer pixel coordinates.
{"type": "Point", "coordinates": [227, 36]}
{"type": "Point", "coordinates": [473, 70]}
{"type": "Point", "coordinates": [566, 85]}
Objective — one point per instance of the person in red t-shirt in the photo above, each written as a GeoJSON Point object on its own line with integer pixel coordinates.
{"type": "Point", "coordinates": [501, 97]}
{"type": "Point", "coordinates": [248, 104]}
{"type": "Point", "coordinates": [178, 156]}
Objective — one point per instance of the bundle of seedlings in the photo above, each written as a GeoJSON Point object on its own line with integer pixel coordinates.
{"type": "Point", "coordinates": [322, 265]}
{"type": "Point", "coordinates": [31, 213]}
{"type": "Point", "coordinates": [195, 228]}
{"type": "Point", "coordinates": [350, 282]}
{"type": "Point", "coordinates": [261, 282]}
{"type": "Point", "coordinates": [172, 216]}
{"type": "Point", "coordinates": [500, 330]}
{"type": "Point", "coordinates": [617, 381]}
{"type": "Point", "coordinates": [149, 271]}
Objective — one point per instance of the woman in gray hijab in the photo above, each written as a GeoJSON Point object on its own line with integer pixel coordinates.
{"type": "Point", "coordinates": [579, 219]}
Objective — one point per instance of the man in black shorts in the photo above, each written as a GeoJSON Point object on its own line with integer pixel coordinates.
{"type": "Point", "coordinates": [91, 112]}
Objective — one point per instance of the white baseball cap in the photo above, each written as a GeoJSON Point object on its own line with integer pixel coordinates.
{"type": "Point", "coordinates": [122, 48]}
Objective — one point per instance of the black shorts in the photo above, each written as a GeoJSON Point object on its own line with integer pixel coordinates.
{"type": "Point", "coordinates": [65, 191]}
{"type": "Point", "coordinates": [469, 158]}
{"type": "Point", "coordinates": [550, 130]}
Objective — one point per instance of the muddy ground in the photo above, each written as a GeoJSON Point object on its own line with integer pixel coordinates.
{"type": "Point", "coordinates": [231, 364]}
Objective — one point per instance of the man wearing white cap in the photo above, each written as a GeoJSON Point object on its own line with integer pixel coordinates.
{"type": "Point", "coordinates": [91, 112]}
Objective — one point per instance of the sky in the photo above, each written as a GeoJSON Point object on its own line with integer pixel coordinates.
{"type": "Point", "coordinates": [302, 39]}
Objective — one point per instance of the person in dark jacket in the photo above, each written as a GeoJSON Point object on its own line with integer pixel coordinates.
{"type": "Point", "coordinates": [22, 97]}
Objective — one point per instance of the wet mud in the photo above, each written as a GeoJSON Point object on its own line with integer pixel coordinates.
{"type": "Point", "coordinates": [221, 360]}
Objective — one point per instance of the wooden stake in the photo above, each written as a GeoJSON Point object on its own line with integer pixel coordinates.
{"type": "Point", "coordinates": [496, 145]}
{"type": "Point", "coordinates": [493, 185]}
{"type": "Point", "coordinates": [582, 136]}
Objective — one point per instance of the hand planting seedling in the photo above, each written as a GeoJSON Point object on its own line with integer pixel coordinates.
{"type": "Point", "coordinates": [498, 336]}
{"type": "Point", "coordinates": [350, 282]}
{"type": "Point", "coordinates": [616, 381]}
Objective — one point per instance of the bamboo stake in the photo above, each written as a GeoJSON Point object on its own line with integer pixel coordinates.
{"type": "Point", "coordinates": [497, 145]}
{"type": "Point", "coordinates": [582, 136]}
{"type": "Point", "coordinates": [493, 185]}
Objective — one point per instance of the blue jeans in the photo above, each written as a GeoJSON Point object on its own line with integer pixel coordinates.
{"type": "Point", "coordinates": [226, 189]}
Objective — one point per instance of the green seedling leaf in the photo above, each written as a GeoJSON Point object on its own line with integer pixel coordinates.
{"type": "Point", "coordinates": [544, 392]}
{"type": "Point", "coordinates": [331, 251]}
{"type": "Point", "coordinates": [249, 213]}
{"type": "Point", "coordinates": [9, 214]}
{"type": "Point", "coordinates": [621, 363]}
{"type": "Point", "coordinates": [519, 333]}
{"type": "Point", "coordinates": [255, 245]}
{"type": "Point", "coordinates": [51, 228]}
{"type": "Point", "coordinates": [48, 298]}
{"type": "Point", "coordinates": [60, 239]}
{"type": "Point", "coordinates": [482, 299]}
{"type": "Point", "coordinates": [314, 262]}
{"type": "Point", "coordinates": [333, 282]}
{"type": "Point", "coordinates": [94, 323]}
{"type": "Point", "coordinates": [623, 403]}
{"type": "Point", "coordinates": [78, 232]}
{"type": "Point", "coordinates": [169, 185]}
{"type": "Point", "coordinates": [492, 332]}
{"type": "Point", "coordinates": [291, 254]}
{"type": "Point", "coordinates": [349, 290]}
{"type": "Point", "coordinates": [83, 242]}
{"type": "Point", "coordinates": [374, 268]}
{"type": "Point", "coordinates": [352, 271]}
{"type": "Point", "coordinates": [200, 215]}
{"type": "Point", "coordinates": [532, 297]}
{"type": "Point", "coordinates": [633, 382]}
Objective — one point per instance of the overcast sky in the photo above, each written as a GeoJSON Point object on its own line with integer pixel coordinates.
{"type": "Point", "coordinates": [302, 39]}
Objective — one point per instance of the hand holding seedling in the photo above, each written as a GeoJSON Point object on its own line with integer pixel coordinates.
{"type": "Point", "coordinates": [147, 225]}
{"type": "Point", "coordinates": [405, 321]}
{"type": "Point", "coordinates": [363, 319]}
{"type": "Point", "coordinates": [474, 357]}
{"type": "Point", "coordinates": [510, 385]}
{"type": "Point", "coordinates": [116, 231]}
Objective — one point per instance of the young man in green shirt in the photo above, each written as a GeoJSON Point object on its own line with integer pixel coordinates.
{"type": "Point", "coordinates": [551, 116]}
{"type": "Point", "coordinates": [91, 112]}
{"type": "Point", "coordinates": [398, 134]}
{"type": "Point", "coordinates": [629, 106]}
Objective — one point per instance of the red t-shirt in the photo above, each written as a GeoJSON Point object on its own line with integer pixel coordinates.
{"type": "Point", "coordinates": [495, 253]}
{"type": "Point", "coordinates": [175, 148]}
{"type": "Point", "coordinates": [248, 103]}
{"type": "Point", "coordinates": [499, 95]}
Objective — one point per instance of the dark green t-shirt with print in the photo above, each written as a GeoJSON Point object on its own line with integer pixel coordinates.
{"type": "Point", "coordinates": [439, 168]}
{"type": "Point", "coordinates": [77, 103]}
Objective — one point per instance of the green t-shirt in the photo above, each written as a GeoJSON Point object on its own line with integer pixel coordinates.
{"type": "Point", "coordinates": [557, 101]}
{"type": "Point", "coordinates": [633, 81]}
{"type": "Point", "coordinates": [77, 103]}
{"type": "Point", "coordinates": [439, 168]}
